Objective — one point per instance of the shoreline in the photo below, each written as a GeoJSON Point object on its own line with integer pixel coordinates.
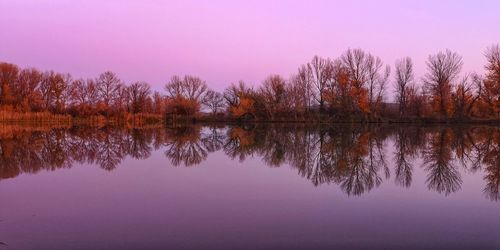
{"type": "Point", "coordinates": [92, 122]}
{"type": "Point", "coordinates": [147, 119]}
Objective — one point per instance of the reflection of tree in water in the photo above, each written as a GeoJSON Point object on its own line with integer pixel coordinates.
{"type": "Point", "coordinates": [307, 157]}
{"type": "Point", "coordinates": [50, 149]}
{"type": "Point", "coordinates": [356, 157]}
{"type": "Point", "coordinates": [20, 153]}
{"type": "Point", "coordinates": [407, 142]}
{"type": "Point", "coordinates": [352, 157]}
{"type": "Point", "coordinates": [347, 156]}
{"type": "Point", "coordinates": [365, 161]}
{"type": "Point", "coordinates": [241, 143]}
{"type": "Point", "coordinates": [183, 146]}
{"type": "Point", "coordinates": [489, 144]}
{"type": "Point", "coordinates": [213, 140]}
{"type": "Point", "coordinates": [110, 152]}
{"type": "Point", "coordinates": [443, 176]}
{"type": "Point", "coordinates": [138, 143]}
{"type": "Point", "coordinates": [54, 150]}
{"type": "Point", "coordinates": [474, 148]}
{"type": "Point", "coordinates": [274, 150]}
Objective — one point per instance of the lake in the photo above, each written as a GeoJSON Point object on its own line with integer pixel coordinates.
{"type": "Point", "coordinates": [255, 186]}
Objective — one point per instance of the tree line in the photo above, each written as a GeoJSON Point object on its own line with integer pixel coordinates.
{"type": "Point", "coordinates": [30, 90]}
{"type": "Point", "coordinates": [354, 85]}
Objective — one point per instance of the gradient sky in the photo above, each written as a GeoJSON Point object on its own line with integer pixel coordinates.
{"type": "Point", "coordinates": [227, 41]}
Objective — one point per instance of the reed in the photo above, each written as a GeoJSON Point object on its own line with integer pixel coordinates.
{"type": "Point", "coordinates": [33, 117]}
{"type": "Point", "coordinates": [141, 119]}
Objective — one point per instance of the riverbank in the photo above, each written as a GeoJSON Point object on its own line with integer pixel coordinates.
{"type": "Point", "coordinates": [144, 119]}
{"type": "Point", "coordinates": [332, 120]}
{"type": "Point", "coordinates": [40, 119]}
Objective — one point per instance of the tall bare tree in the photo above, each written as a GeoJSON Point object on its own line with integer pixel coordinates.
{"type": "Point", "coordinates": [8, 77]}
{"type": "Point", "coordinates": [273, 92]}
{"type": "Point", "coordinates": [138, 95]}
{"type": "Point", "coordinates": [355, 61]}
{"type": "Point", "coordinates": [108, 86]}
{"type": "Point", "coordinates": [213, 101]}
{"type": "Point", "coordinates": [55, 88]}
{"type": "Point", "coordinates": [235, 92]}
{"type": "Point", "coordinates": [443, 68]}
{"type": "Point", "coordinates": [321, 69]}
{"type": "Point", "coordinates": [27, 95]}
{"type": "Point", "coordinates": [491, 88]}
{"type": "Point", "coordinates": [158, 103]}
{"type": "Point", "coordinates": [84, 96]}
{"type": "Point", "coordinates": [189, 87]}
{"type": "Point", "coordinates": [404, 77]}
{"type": "Point", "coordinates": [303, 84]}
{"type": "Point", "coordinates": [376, 80]}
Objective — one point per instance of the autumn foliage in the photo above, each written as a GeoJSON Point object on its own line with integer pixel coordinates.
{"type": "Point", "coordinates": [350, 87]}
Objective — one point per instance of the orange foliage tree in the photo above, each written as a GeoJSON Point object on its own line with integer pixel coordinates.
{"type": "Point", "coordinates": [240, 100]}
{"type": "Point", "coordinates": [490, 92]}
{"type": "Point", "coordinates": [442, 68]}
{"type": "Point", "coordinates": [184, 95]}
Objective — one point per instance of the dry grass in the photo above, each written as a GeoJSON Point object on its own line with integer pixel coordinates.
{"type": "Point", "coordinates": [34, 118]}
{"type": "Point", "coordinates": [144, 119]}
{"type": "Point", "coordinates": [124, 120]}
{"type": "Point", "coordinates": [96, 121]}
{"type": "Point", "coordinates": [30, 120]}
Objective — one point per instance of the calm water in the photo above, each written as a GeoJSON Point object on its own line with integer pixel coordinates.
{"type": "Point", "coordinates": [253, 187]}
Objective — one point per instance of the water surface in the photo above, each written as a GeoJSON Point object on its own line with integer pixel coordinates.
{"type": "Point", "coordinates": [250, 187]}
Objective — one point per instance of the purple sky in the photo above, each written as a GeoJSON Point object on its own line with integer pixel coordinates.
{"type": "Point", "coordinates": [227, 41]}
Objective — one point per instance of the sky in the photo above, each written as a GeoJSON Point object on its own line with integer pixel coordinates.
{"type": "Point", "coordinates": [226, 41]}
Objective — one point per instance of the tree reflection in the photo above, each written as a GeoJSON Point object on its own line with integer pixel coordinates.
{"type": "Point", "coordinates": [356, 158]}
{"type": "Point", "coordinates": [183, 146]}
{"type": "Point", "coordinates": [443, 176]}
{"type": "Point", "coordinates": [488, 143]}
{"type": "Point", "coordinates": [214, 139]}
{"type": "Point", "coordinates": [407, 142]}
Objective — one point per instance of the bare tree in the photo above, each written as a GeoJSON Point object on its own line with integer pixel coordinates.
{"type": "Point", "coordinates": [189, 87]}
{"type": "Point", "coordinates": [55, 88]}
{"type": "Point", "coordinates": [214, 101]}
{"type": "Point", "coordinates": [240, 100]}
{"type": "Point", "coordinates": [184, 95]}
{"type": "Point", "coordinates": [138, 94]}
{"type": "Point", "coordinates": [234, 92]}
{"type": "Point", "coordinates": [490, 95]}
{"type": "Point", "coordinates": [84, 96]}
{"type": "Point", "coordinates": [108, 86]}
{"type": "Point", "coordinates": [404, 77]}
{"type": "Point", "coordinates": [321, 69]}
{"type": "Point", "coordinates": [273, 92]}
{"type": "Point", "coordinates": [8, 78]}
{"type": "Point", "coordinates": [340, 92]}
{"type": "Point", "coordinates": [443, 68]}
{"type": "Point", "coordinates": [493, 66]}
{"type": "Point", "coordinates": [377, 81]}
{"type": "Point", "coordinates": [355, 61]}
{"type": "Point", "coordinates": [28, 97]}
{"type": "Point", "coordinates": [303, 84]}
{"type": "Point", "coordinates": [158, 103]}
{"type": "Point", "coordinates": [466, 95]}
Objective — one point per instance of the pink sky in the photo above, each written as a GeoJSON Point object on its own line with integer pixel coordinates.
{"type": "Point", "coordinates": [227, 41]}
